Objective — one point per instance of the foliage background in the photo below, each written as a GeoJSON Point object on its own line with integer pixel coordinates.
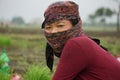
{"type": "Point", "coordinates": [25, 46]}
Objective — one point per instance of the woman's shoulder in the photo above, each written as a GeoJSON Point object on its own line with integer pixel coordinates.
{"type": "Point", "coordinates": [80, 39]}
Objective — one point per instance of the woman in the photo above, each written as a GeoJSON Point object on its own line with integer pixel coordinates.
{"type": "Point", "coordinates": [80, 57]}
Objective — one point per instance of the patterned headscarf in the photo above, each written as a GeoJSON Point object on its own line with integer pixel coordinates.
{"type": "Point", "coordinates": [62, 10]}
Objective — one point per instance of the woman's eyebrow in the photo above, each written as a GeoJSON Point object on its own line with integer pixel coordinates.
{"type": "Point", "coordinates": [60, 22]}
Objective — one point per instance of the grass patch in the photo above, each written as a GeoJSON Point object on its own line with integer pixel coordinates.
{"type": "Point", "coordinates": [98, 28]}
{"type": "Point", "coordinates": [112, 44]}
{"type": "Point", "coordinates": [37, 73]}
{"type": "Point", "coordinates": [4, 77]}
{"type": "Point", "coordinates": [5, 41]}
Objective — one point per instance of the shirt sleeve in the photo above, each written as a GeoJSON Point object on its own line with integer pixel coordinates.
{"type": "Point", "coordinates": [73, 60]}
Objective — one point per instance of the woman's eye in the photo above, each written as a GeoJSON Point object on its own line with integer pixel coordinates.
{"type": "Point", "coordinates": [48, 27]}
{"type": "Point", "coordinates": [60, 26]}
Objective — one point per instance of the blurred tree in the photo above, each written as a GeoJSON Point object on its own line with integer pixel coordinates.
{"type": "Point", "coordinates": [18, 20]}
{"type": "Point", "coordinates": [92, 18]}
{"type": "Point", "coordinates": [118, 16]}
{"type": "Point", "coordinates": [101, 14]}
{"type": "Point", "coordinates": [104, 12]}
{"type": "Point", "coordinates": [118, 19]}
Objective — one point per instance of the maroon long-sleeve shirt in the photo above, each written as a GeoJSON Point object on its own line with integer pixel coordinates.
{"type": "Point", "coordinates": [83, 59]}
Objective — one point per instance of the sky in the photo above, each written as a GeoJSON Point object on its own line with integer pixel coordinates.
{"type": "Point", "coordinates": [31, 9]}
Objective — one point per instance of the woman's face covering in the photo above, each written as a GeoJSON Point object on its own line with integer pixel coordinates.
{"type": "Point", "coordinates": [58, 26]}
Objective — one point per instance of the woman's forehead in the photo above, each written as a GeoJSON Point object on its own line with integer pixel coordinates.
{"type": "Point", "coordinates": [59, 21]}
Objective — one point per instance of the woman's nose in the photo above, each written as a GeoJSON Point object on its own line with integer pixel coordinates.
{"type": "Point", "coordinates": [54, 30]}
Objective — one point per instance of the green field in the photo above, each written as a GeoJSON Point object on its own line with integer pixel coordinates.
{"type": "Point", "coordinates": [27, 46]}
